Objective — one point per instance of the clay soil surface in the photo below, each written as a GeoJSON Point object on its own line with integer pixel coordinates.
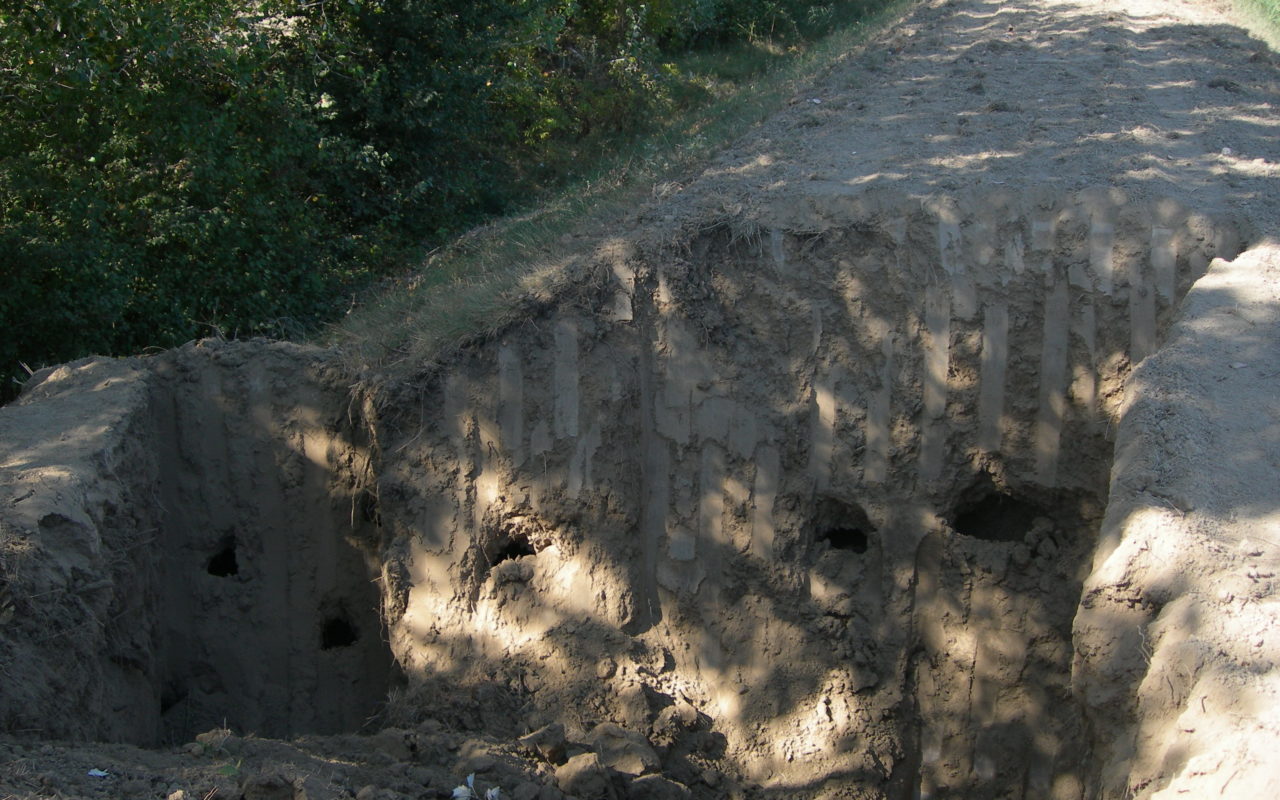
{"type": "Point", "coordinates": [1104, 626]}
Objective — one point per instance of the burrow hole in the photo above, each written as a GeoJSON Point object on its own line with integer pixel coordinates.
{"type": "Point", "coordinates": [996, 515]}
{"type": "Point", "coordinates": [223, 563]}
{"type": "Point", "coordinates": [843, 526]}
{"type": "Point", "coordinates": [338, 630]}
{"type": "Point", "coordinates": [847, 538]}
{"type": "Point", "coordinates": [510, 547]}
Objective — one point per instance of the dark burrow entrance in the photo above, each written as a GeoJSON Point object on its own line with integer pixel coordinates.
{"type": "Point", "coordinates": [509, 547]}
{"type": "Point", "coordinates": [842, 525]}
{"type": "Point", "coordinates": [223, 563]}
{"type": "Point", "coordinates": [338, 629]}
{"type": "Point", "coordinates": [997, 590]}
{"type": "Point", "coordinates": [997, 516]}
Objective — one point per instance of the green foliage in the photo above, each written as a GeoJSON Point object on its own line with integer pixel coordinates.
{"type": "Point", "coordinates": [168, 169]}
{"type": "Point", "coordinates": [1264, 16]}
{"type": "Point", "coordinates": [157, 171]}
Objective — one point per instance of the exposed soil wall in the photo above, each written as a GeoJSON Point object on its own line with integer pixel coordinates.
{"type": "Point", "coordinates": [1176, 634]}
{"type": "Point", "coordinates": [809, 511]}
{"type": "Point", "coordinates": [78, 537]}
{"type": "Point", "coordinates": [272, 621]}
{"type": "Point", "coordinates": [187, 553]}
{"type": "Point", "coordinates": [734, 478]}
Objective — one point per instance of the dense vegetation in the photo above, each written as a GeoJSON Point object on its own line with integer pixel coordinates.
{"type": "Point", "coordinates": [171, 169]}
{"type": "Point", "coordinates": [1265, 15]}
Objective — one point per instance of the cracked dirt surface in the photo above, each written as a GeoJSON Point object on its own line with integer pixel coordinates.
{"type": "Point", "coordinates": [925, 444]}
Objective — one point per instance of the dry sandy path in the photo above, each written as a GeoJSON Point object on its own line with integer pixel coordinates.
{"type": "Point", "coordinates": [1154, 98]}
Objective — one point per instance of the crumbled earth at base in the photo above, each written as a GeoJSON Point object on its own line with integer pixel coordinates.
{"type": "Point", "coordinates": [923, 445]}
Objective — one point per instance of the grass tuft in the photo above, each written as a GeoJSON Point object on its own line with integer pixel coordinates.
{"type": "Point", "coordinates": [1263, 19]}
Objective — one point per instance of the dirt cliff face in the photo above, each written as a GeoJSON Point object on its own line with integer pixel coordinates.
{"type": "Point", "coordinates": [833, 474]}
{"type": "Point", "coordinates": [808, 511]}
{"type": "Point", "coordinates": [79, 564]}
{"type": "Point", "coordinates": [836, 489]}
{"type": "Point", "coordinates": [184, 552]}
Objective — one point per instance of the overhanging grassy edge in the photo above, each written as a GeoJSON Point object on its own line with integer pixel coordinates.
{"type": "Point", "coordinates": [1262, 17]}
{"type": "Point", "coordinates": [503, 271]}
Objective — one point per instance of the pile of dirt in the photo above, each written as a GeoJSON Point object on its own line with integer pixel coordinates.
{"type": "Point", "coordinates": [883, 459]}
{"type": "Point", "coordinates": [1177, 642]}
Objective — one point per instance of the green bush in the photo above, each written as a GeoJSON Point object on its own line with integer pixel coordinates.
{"type": "Point", "coordinates": [158, 172]}
{"type": "Point", "coordinates": [170, 169]}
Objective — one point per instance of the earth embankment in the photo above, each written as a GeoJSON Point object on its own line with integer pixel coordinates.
{"type": "Point", "coordinates": [922, 445]}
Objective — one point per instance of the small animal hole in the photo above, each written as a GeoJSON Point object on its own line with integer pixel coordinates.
{"type": "Point", "coordinates": [171, 696]}
{"type": "Point", "coordinates": [337, 632]}
{"type": "Point", "coordinates": [997, 517]}
{"type": "Point", "coordinates": [223, 563]}
{"type": "Point", "coordinates": [842, 525]}
{"type": "Point", "coordinates": [846, 538]}
{"type": "Point", "coordinates": [516, 546]}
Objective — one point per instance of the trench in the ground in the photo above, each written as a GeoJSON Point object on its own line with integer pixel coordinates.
{"type": "Point", "coordinates": [959, 427]}
{"type": "Point", "coordinates": [270, 615]}
{"type": "Point", "coordinates": [1000, 383]}
{"type": "Point", "coordinates": [996, 592]}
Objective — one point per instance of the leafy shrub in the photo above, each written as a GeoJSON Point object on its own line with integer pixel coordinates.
{"type": "Point", "coordinates": [157, 171]}
{"type": "Point", "coordinates": [168, 169]}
